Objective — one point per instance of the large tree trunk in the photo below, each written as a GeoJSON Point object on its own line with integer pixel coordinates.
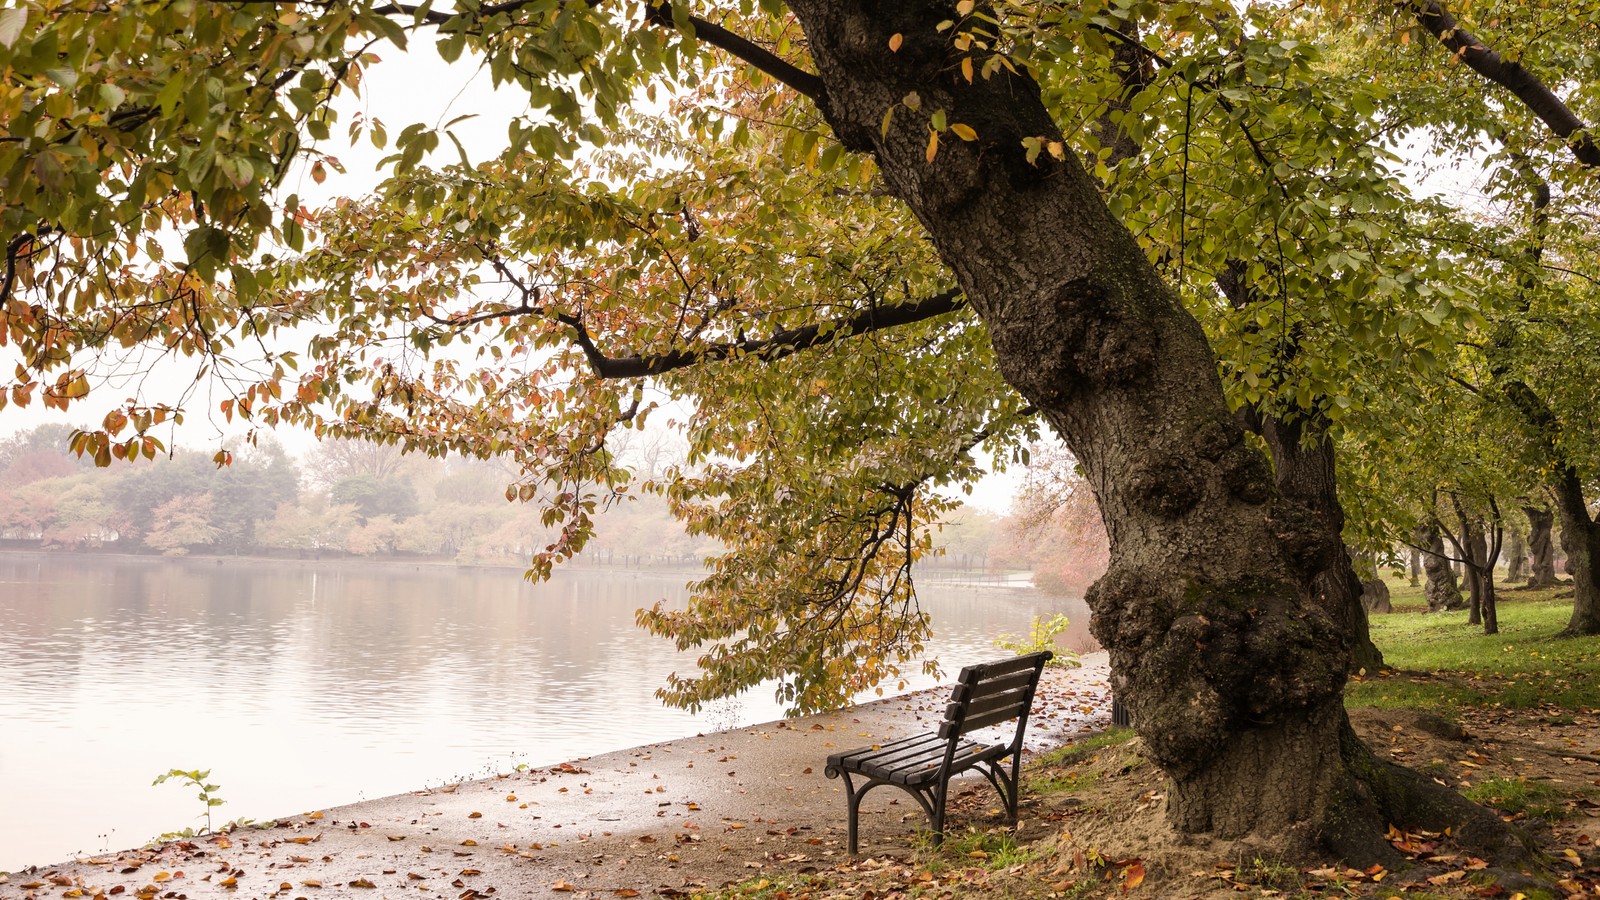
{"type": "Point", "coordinates": [1541, 549]}
{"type": "Point", "coordinates": [1516, 556]}
{"type": "Point", "coordinates": [1479, 548]}
{"type": "Point", "coordinates": [1225, 641]}
{"type": "Point", "coordinates": [1416, 565]}
{"type": "Point", "coordinates": [1467, 545]}
{"type": "Point", "coordinates": [1375, 598]}
{"type": "Point", "coordinates": [1440, 590]}
{"type": "Point", "coordinates": [1580, 538]}
{"type": "Point", "coordinates": [1304, 473]}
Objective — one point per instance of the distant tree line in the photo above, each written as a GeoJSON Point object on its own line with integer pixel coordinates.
{"type": "Point", "coordinates": [355, 499]}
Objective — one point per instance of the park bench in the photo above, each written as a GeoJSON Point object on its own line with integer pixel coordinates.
{"type": "Point", "coordinates": [922, 765]}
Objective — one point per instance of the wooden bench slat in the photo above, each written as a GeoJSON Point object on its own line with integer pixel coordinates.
{"type": "Point", "coordinates": [973, 723]}
{"type": "Point", "coordinates": [1000, 685]}
{"type": "Point", "coordinates": [1014, 664]}
{"type": "Point", "coordinates": [888, 756]}
{"type": "Point", "coordinates": [1012, 700]}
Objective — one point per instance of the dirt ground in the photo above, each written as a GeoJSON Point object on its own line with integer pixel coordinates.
{"type": "Point", "coordinates": [1093, 824]}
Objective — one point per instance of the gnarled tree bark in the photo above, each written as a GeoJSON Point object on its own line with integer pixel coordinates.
{"type": "Point", "coordinates": [1441, 590]}
{"type": "Point", "coordinates": [1541, 547]}
{"type": "Point", "coordinates": [1516, 556]}
{"type": "Point", "coordinates": [1224, 640]}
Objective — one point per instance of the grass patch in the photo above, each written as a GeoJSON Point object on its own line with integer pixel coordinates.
{"type": "Point", "coordinates": [761, 888]}
{"type": "Point", "coordinates": [1068, 754]}
{"type": "Point", "coordinates": [1523, 667]}
{"type": "Point", "coordinates": [1518, 795]}
{"type": "Point", "coordinates": [994, 849]}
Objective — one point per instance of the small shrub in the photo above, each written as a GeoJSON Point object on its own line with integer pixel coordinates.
{"type": "Point", "coordinates": [1042, 636]}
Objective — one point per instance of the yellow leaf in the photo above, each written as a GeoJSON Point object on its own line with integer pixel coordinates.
{"type": "Point", "coordinates": [933, 145]}
{"type": "Point", "coordinates": [965, 7]}
{"type": "Point", "coordinates": [964, 131]}
{"type": "Point", "coordinates": [895, 40]}
{"type": "Point", "coordinates": [966, 68]}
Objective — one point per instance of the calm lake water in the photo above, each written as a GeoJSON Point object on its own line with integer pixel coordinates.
{"type": "Point", "coordinates": [308, 685]}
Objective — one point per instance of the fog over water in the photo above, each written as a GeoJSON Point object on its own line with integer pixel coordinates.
{"type": "Point", "coordinates": [307, 685]}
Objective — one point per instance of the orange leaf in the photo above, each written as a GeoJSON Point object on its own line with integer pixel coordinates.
{"type": "Point", "coordinates": [562, 886]}
{"type": "Point", "coordinates": [894, 42]}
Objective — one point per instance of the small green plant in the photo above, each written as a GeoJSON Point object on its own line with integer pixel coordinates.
{"type": "Point", "coordinates": [1273, 873]}
{"type": "Point", "coordinates": [1042, 636]}
{"type": "Point", "coordinates": [997, 848]}
{"type": "Point", "coordinates": [195, 778]}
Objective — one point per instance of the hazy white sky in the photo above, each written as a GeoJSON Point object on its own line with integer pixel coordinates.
{"type": "Point", "coordinates": [404, 88]}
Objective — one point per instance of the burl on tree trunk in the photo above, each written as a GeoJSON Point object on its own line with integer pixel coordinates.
{"type": "Point", "coordinates": [1441, 589]}
{"type": "Point", "coordinates": [1224, 639]}
{"type": "Point", "coordinates": [1580, 538]}
{"type": "Point", "coordinates": [1516, 556]}
{"type": "Point", "coordinates": [1541, 548]}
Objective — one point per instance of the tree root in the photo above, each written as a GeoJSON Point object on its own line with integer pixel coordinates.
{"type": "Point", "coordinates": [1382, 793]}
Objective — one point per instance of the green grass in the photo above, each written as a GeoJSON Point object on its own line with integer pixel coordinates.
{"type": "Point", "coordinates": [1523, 667]}
{"type": "Point", "coordinates": [765, 888]}
{"type": "Point", "coordinates": [1068, 754]}
{"type": "Point", "coordinates": [1518, 795]}
{"type": "Point", "coordinates": [994, 849]}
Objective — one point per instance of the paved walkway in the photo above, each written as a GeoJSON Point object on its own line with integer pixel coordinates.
{"type": "Point", "coordinates": [665, 819]}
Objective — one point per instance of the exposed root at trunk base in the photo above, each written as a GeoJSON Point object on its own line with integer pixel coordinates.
{"type": "Point", "coordinates": [1120, 807]}
{"type": "Point", "coordinates": [1382, 794]}
{"type": "Point", "coordinates": [1311, 787]}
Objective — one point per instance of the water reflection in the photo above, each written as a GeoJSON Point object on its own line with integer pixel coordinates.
{"type": "Point", "coordinates": [307, 685]}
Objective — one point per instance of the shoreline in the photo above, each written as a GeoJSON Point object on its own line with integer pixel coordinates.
{"type": "Point", "coordinates": [669, 817]}
{"type": "Point", "coordinates": [1017, 580]}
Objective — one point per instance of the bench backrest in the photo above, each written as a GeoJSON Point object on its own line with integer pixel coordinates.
{"type": "Point", "coordinates": [992, 693]}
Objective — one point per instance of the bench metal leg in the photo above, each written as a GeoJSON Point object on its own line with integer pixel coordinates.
{"type": "Point", "coordinates": [931, 801]}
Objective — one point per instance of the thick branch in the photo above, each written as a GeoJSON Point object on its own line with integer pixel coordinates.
{"type": "Point", "coordinates": [1526, 86]}
{"type": "Point", "coordinates": [710, 32]}
{"type": "Point", "coordinates": [723, 39]}
{"type": "Point", "coordinates": [777, 346]}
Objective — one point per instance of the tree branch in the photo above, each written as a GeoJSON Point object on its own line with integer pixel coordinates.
{"type": "Point", "coordinates": [777, 346]}
{"type": "Point", "coordinates": [1525, 85]}
{"type": "Point", "coordinates": [805, 82]}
